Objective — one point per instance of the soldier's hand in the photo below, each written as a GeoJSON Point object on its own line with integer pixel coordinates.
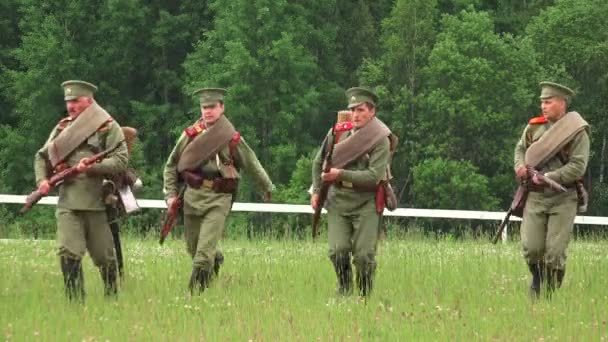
{"type": "Point", "coordinates": [521, 172]}
{"type": "Point", "coordinates": [170, 201]}
{"type": "Point", "coordinates": [332, 175]}
{"type": "Point", "coordinates": [44, 187]}
{"type": "Point", "coordinates": [267, 196]}
{"type": "Point", "coordinates": [314, 201]}
{"type": "Point", "coordinates": [82, 165]}
{"type": "Point", "coordinates": [537, 180]}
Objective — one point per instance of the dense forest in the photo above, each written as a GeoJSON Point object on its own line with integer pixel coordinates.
{"type": "Point", "coordinates": [457, 80]}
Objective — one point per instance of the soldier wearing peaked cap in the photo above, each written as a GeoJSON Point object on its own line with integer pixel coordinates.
{"type": "Point", "coordinates": [82, 224]}
{"type": "Point", "coordinates": [208, 158]}
{"type": "Point", "coordinates": [557, 145]}
{"type": "Point", "coordinates": [359, 175]}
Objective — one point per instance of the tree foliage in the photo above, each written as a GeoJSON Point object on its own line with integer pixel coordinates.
{"type": "Point", "coordinates": [457, 79]}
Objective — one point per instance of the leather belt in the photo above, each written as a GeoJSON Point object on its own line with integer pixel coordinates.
{"type": "Point", "coordinates": [350, 185]}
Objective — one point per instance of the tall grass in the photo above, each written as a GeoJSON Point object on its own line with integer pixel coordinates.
{"type": "Point", "coordinates": [425, 289]}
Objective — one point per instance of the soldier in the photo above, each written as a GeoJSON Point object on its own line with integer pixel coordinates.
{"type": "Point", "coordinates": [208, 157]}
{"type": "Point", "coordinates": [556, 144]}
{"type": "Point", "coordinates": [355, 202]}
{"type": "Point", "coordinates": [81, 218]}
{"type": "Point", "coordinates": [119, 198]}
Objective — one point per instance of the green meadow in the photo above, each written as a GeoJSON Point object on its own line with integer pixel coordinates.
{"type": "Point", "coordinates": [267, 290]}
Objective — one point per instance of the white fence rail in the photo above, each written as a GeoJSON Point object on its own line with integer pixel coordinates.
{"type": "Point", "coordinates": [306, 209]}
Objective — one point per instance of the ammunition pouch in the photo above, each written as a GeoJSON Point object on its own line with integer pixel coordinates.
{"type": "Point", "coordinates": [217, 184]}
{"type": "Point", "coordinates": [225, 185]}
{"type": "Point", "coordinates": [192, 178]}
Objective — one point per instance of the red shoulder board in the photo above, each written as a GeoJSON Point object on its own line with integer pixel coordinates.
{"type": "Point", "coordinates": [195, 129]}
{"type": "Point", "coordinates": [538, 120]}
{"type": "Point", "coordinates": [343, 126]}
{"type": "Point", "coordinates": [110, 120]}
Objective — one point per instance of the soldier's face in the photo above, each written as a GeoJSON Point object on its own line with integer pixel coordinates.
{"type": "Point", "coordinates": [78, 105]}
{"type": "Point", "coordinates": [362, 114]}
{"type": "Point", "coordinates": [553, 108]}
{"type": "Point", "coordinates": [212, 113]}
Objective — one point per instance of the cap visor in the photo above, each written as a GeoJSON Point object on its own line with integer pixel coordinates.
{"type": "Point", "coordinates": [353, 105]}
{"type": "Point", "coordinates": [209, 103]}
{"type": "Point", "coordinates": [70, 98]}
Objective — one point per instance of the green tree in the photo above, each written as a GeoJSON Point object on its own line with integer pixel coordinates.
{"type": "Point", "coordinates": [408, 35]}
{"type": "Point", "coordinates": [480, 91]}
{"type": "Point", "coordinates": [455, 185]}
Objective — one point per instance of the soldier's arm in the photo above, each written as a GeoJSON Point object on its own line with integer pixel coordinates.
{"type": "Point", "coordinates": [117, 160]}
{"type": "Point", "coordinates": [373, 174]}
{"type": "Point", "coordinates": [520, 151]}
{"type": "Point", "coordinates": [317, 165]}
{"type": "Point", "coordinates": [170, 176]}
{"type": "Point", "coordinates": [248, 161]}
{"type": "Point", "coordinates": [41, 160]}
{"type": "Point", "coordinates": [577, 163]}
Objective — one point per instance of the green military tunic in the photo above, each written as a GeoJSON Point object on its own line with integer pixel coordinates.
{"type": "Point", "coordinates": [549, 216]}
{"type": "Point", "coordinates": [353, 223]}
{"type": "Point", "coordinates": [205, 211]}
{"type": "Point", "coordinates": [81, 218]}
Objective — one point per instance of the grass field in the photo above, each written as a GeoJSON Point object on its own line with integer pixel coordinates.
{"type": "Point", "coordinates": [425, 289]}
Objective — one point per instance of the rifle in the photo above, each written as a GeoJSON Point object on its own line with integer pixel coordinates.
{"type": "Point", "coordinates": [330, 143]}
{"type": "Point", "coordinates": [171, 215]}
{"type": "Point", "coordinates": [519, 199]}
{"type": "Point", "coordinates": [59, 177]}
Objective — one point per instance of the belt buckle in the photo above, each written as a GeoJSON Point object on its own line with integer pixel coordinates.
{"type": "Point", "coordinates": [347, 184]}
{"type": "Point", "coordinates": [207, 183]}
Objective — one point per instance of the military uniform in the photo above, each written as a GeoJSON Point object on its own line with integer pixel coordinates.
{"type": "Point", "coordinates": [548, 216]}
{"type": "Point", "coordinates": [353, 218]}
{"type": "Point", "coordinates": [81, 218]}
{"type": "Point", "coordinates": [206, 205]}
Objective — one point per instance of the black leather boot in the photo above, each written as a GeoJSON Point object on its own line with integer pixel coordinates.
{"type": "Point", "coordinates": [537, 270]}
{"type": "Point", "coordinates": [199, 280]}
{"type": "Point", "coordinates": [109, 275]}
{"type": "Point", "coordinates": [344, 273]}
{"type": "Point", "coordinates": [217, 263]}
{"type": "Point", "coordinates": [365, 281]}
{"type": "Point", "coordinates": [560, 274]}
{"type": "Point", "coordinates": [73, 279]}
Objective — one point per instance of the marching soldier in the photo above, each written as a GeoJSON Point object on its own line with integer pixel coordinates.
{"type": "Point", "coordinates": [207, 158]}
{"type": "Point", "coordinates": [556, 144]}
{"type": "Point", "coordinates": [81, 218]}
{"type": "Point", "coordinates": [359, 175]}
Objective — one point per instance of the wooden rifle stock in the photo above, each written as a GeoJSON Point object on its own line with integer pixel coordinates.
{"type": "Point", "coordinates": [59, 177]}
{"type": "Point", "coordinates": [316, 218]}
{"type": "Point", "coordinates": [171, 215]}
{"type": "Point", "coordinates": [519, 200]}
